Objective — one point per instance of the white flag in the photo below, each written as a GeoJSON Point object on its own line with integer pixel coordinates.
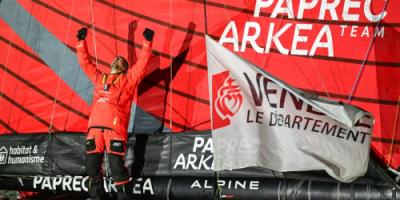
{"type": "Point", "coordinates": [258, 120]}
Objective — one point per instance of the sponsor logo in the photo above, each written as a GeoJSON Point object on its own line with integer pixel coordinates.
{"type": "Point", "coordinates": [117, 144]}
{"type": "Point", "coordinates": [64, 183]}
{"type": "Point", "coordinates": [227, 99]}
{"type": "Point", "coordinates": [14, 155]}
{"type": "Point", "coordinates": [3, 155]}
{"type": "Point", "coordinates": [230, 184]}
{"type": "Point", "coordinates": [142, 186]}
{"type": "Point", "coordinates": [200, 158]}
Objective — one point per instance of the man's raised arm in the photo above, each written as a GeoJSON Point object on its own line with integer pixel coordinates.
{"type": "Point", "coordinates": [84, 58]}
{"type": "Point", "coordinates": [140, 69]}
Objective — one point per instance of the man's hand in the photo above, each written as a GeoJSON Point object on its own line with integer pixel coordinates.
{"type": "Point", "coordinates": [148, 34]}
{"type": "Point", "coordinates": [82, 34]}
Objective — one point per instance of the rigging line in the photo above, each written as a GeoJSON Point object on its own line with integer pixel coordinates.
{"type": "Point", "coordinates": [94, 31]}
{"type": "Point", "coordinates": [18, 71]}
{"type": "Point", "coordinates": [248, 18]}
{"type": "Point", "coordinates": [115, 28]}
{"type": "Point", "coordinates": [394, 132]}
{"type": "Point", "coordinates": [316, 69]}
{"type": "Point", "coordinates": [74, 87]}
{"type": "Point", "coordinates": [236, 39]}
{"type": "Point", "coordinates": [8, 55]}
{"type": "Point", "coordinates": [170, 98]}
{"type": "Point", "coordinates": [360, 71]}
{"type": "Point", "coordinates": [266, 59]}
{"type": "Point", "coordinates": [170, 70]}
{"type": "Point", "coordinates": [59, 75]}
{"type": "Point", "coordinates": [185, 42]}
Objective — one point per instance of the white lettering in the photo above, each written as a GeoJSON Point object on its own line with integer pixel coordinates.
{"type": "Point", "coordinates": [297, 38]}
{"type": "Point", "coordinates": [279, 9]}
{"type": "Point", "coordinates": [368, 14]}
{"type": "Point", "coordinates": [37, 180]}
{"type": "Point", "coordinates": [342, 27]}
{"type": "Point", "coordinates": [67, 183]}
{"type": "Point", "coordinates": [195, 184]}
{"type": "Point", "coordinates": [353, 32]}
{"type": "Point", "coordinates": [254, 185]}
{"type": "Point", "coordinates": [275, 38]}
{"type": "Point", "coordinates": [261, 4]}
{"type": "Point", "coordinates": [46, 183]}
{"type": "Point", "coordinates": [231, 27]}
{"type": "Point", "coordinates": [328, 44]}
{"type": "Point", "coordinates": [84, 180]}
{"type": "Point", "coordinates": [198, 143]}
{"type": "Point", "coordinates": [147, 186]}
{"type": "Point", "coordinates": [76, 182]}
{"type": "Point", "coordinates": [242, 185]}
{"type": "Point", "coordinates": [380, 33]}
{"type": "Point", "coordinates": [208, 147]}
{"type": "Point", "coordinates": [303, 5]}
{"type": "Point", "coordinates": [206, 185]}
{"type": "Point", "coordinates": [180, 161]}
{"type": "Point", "coordinates": [365, 32]}
{"type": "Point", "coordinates": [191, 161]}
{"type": "Point", "coordinates": [57, 181]}
{"type": "Point", "coordinates": [331, 7]}
{"type": "Point", "coordinates": [251, 38]}
{"type": "Point", "coordinates": [346, 9]}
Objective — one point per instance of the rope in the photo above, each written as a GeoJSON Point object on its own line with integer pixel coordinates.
{"type": "Point", "coordinates": [59, 75]}
{"type": "Point", "coordinates": [394, 132]}
{"type": "Point", "coordinates": [94, 31]}
{"type": "Point", "coordinates": [105, 158]}
{"type": "Point", "coordinates": [170, 71]}
{"type": "Point", "coordinates": [360, 71]}
{"type": "Point", "coordinates": [115, 29]}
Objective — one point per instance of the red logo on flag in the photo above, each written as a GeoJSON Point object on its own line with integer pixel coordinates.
{"type": "Point", "coordinates": [227, 99]}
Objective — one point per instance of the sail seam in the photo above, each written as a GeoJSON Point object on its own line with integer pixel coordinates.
{"type": "Point", "coordinates": [7, 126]}
{"type": "Point", "coordinates": [33, 115]}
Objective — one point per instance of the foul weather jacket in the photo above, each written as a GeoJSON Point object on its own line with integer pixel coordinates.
{"type": "Point", "coordinates": [113, 93]}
